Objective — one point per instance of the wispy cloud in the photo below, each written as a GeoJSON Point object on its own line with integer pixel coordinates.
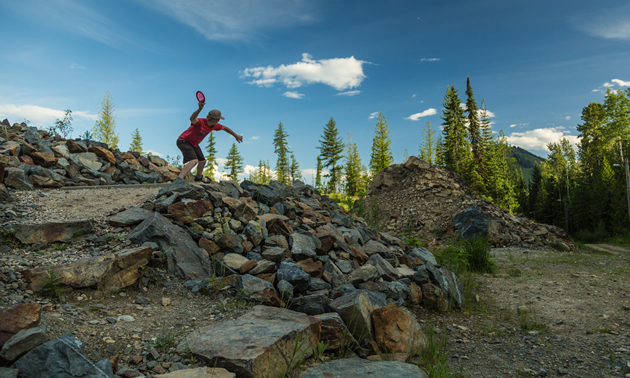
{"type": "Point", "coordinates": [255, 138]}
{"type": "Point", "coordinates": [243, 20]}
{"type": "Point", "coordinates": [538, 139]}
{"type": "Point", "coordinates": [426, 113]}
{"type": "Point", "coordinates": [291, 94]}
{"type": "Point", "coordinates": [373, 115]}
{"type": "Point", "coordinates": [153, 153]}
{"type": "Point", "coordinates": [76, 66]}
{"type": "Point", "coordinates": [614, 82]}
{"type": "Point", "coordinates": [567, 118]}
{"type": "Point", "coordinates": [612, 23]}
{"type": "Point", "coordinates": [77, 17]}
{"type": "Point", "coordinates": [413, 96]}
{"type": "Point", "coordinates": [430, 59]}
{"type": "Point", "coordinates": [39, 115]}
{"type": "Point", "coordinates": [348, 93]}
{"type": "Point", "coordinates": [339, 73]}
{"type": "Point", "coordinates": [519, 125]}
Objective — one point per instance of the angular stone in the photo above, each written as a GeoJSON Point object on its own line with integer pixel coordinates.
{"type": "Point", "coordinates": [16, 179]}
{"type": "Point", "coordinates": [129, 217]}
{"type": "Point", "coordinates": [355, 308]}
{"type": "Point", "coordinates": [75, 147]}
{"type": "Point", "coordinates": [278, 226]}
{"type": "Point", "coordinates": [44, 159]}
{"type": "Point", "coordinates": [103, 153]}
{"type": "Point", "coordinates": [201, 372]}
{"type": "Point", "coordinates": [286, 290]}
{"type": "Point", "coordinates": [313, 304]}
{"type": "Point", "coordinates": [51, 232]}
{"type": "Point", "coordinates": [366, 273]}
{"type": "Point", "coordinates": [108, 272]}
{"type": "Point", "coordinates": [184, 258]}
{"type": "Point", "coordinates": [471, 223]}
{"type": "Point", "coordinates": [10, 148]}
{"type": "Point", "coordinates": [252, 345]}
{"type": "Point", "coordinates": [187, 212]}
{"type": "Point", "coordinates": [88, 160]}
{"type": "Point", "coordinates": [405, 272]}
{"type": "Point", "coordinates": [258, 289]}
{"type": "Point", "coordinates": [424, 255]}
{"type": "Point", "coordinates": [209, 246]}
{"type": "Point", "coordinates": [264, 266]}
{"type": "Point", "coordinates": [421, 276]}
{"type": "Point", "coordinates": [263, 193]}
{"type": "Point", "coordinates": [277, 241]}
{"type": "Point", "coordinates": [25, 159]}
{"type": "Point", "coordinates": [456, 288]}
{"type": "Point", "coordinates": [359, 368]}
{"type": "Point", "coordinates": [61, 151]}
{"type": "Point", "coordinates": [62, 357]}
{"type": "Point", "coordinates": [313, 268]}
{"type": "Point", "coordinates": [302, 246]}
{"type": "Point", "coordinates": [318, 284]}
{"type": "Point", "coordinates": [249, 265]}
{"type": "Point", "coordinates": [396, 290]}
{"type": "Point", "coordinates": [234, 261]}
{"type": "Point", "coordinates": [253, 232]}
{"type": "Point", "coordinates": [22, 342]}
{"type": "Point", "coordinates": [397, 329]}
{"type": "Point", "coordinates": [432, 297]}
{"type": "Point", "coordinates": [15, 319]}
{"type": "Point", "coordinates": [415, 293]}
{"type": "Point", "coordinates": [334, 332]}
{"type": "Point", "coordinates": [8, 372]}
{"type": "Point", "coordinates": [333, 275]}
{"type": "Point", "coordinates": [295, 275]}
{"type": "Point", "coordinates": [275, 254]}
{"type": "Point", "coordinates": [231, 243]}
{"type": "Point", "coordinates": [374, 247]}
{"type": "Point", "coordinates": [384, 268]}
{"type": "Point", "coordinates": [177, 186]}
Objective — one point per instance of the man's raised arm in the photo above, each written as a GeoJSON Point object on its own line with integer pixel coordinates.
{"type": "Point", "coordinates": [193, 117]}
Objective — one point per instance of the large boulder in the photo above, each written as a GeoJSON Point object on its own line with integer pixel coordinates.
{"type": "Point", "coordinates": [22, 342]}
{"type": "Point", "coordinates": [355, 308]}
{"type": "Point", "coordinates": [20, 317]}
{"type": "Point", "coordinates": [62, 357]}
{"type": "Point", "coordinates": [184, 258]}
{"type": "Point", "coordinates": [52, 232]}
{"type": "Point", "coordinates": [358, 368]}
{"type": "Point", "coordinates": [397, 329]}
{"type": "Point", "coordinates": [471, 223]}
{"type": "Point", "coordinates": [257, 343]}
{"type": "Point", "coordinates": [129, 217]}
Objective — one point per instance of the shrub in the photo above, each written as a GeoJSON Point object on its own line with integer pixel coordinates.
{"type": "Point", "coordinates": [453, 258]}
{"type": "Point", "coordinates": [478, 253]}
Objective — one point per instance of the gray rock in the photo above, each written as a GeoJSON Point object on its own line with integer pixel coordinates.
{"type": "Point", "coordinates": [22, 342]}
{"type": "Point", "coordinates": [256, 289]}
{"type": "Point", "coordinates": [8, 372]}
{"type": "Point", "coordinates": [51, 232]}
{"type": "Point", "coordinates": [253, 232]}
{"type": "Point", "coordinates": [129, 217]}
{"type": "Point", "coordinates": [366, 273]}
{"type": "Point", "coordinates": [16, 179]}
{"type": "Point", "coordinates": [275, 254]}
{"type": "Point", "coordinates": [377, 299]}
{"type": "Point", "coordinates": [333, 275]}
{"type": "Point", "coordinates": [263, 193]}
{"type": "Point", "coordinates": [249, 345]}
{"type": "Point", "coordinates": [184, 258]}
{"type": "Point", "coordinates": [303, 246]}
{"type": "Point", "coordinates": [355, 309]}
{"type": "Point", "coordinates": [177, 186]}
{"type": "Point", "coordinates": [471, 223]}
{"type": "Point", "coordinates": [342, 290]}
{"type": "Point", "coordinates": [295, 275]}
{"type": "Point", "coordinates": [62, 357]}
{"type": "Point", "coordinates": [334, 332]}
{"type": "Point", "coordinates": [264, 266]}
{"type": "Point", "coordinates": [285, 289]}
{"type": "Point", "coordinates": [317, 284]}
{"type": "Point", "coordinates": [344, 266]}
{"type": "Point", "coordinates": [87, 160]}
{"type": "Point", "coordinates": [314, 304]}
{"type": "Point", "coordinates": [421, 276]}
{"type": "Point", "coordinates": [397, 290]}
{"type": "Point", "coordinates": [359, 368]}
{"type": "Point", "coordinates": [373, 247]}
{"type": "Point", "coordinates": [384, 268]}
{"type": "Point", "coordinates": [456, 288]}
{"type": "Point", "coordinates": [424, 255]}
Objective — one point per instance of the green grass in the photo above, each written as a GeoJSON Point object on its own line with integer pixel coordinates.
{"type": "Point", "coordinates": [467, 255]}
{"type": "Point", "coordinates": [434, 357]}
{"type": "Point", "coordinates": [347, 202]}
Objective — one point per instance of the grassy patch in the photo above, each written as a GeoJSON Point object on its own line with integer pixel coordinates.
{"type": "Point", "coordinates": [165, 341]}
{"type": "Point", "coordinates": [434, 357]}
{"type": "Point", "coordinates": [347, 202]}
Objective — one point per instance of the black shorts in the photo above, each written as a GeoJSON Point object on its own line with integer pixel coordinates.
{"type": "Point", "coordinates": [189, 151]}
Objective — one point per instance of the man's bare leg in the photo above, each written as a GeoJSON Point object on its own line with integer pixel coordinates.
{"type": "Point", "coordinates": [200, 165]}
{"type": "Point", "coordinates": [187, 168]}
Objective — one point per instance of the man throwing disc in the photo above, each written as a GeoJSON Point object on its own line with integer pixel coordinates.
{"type": "Point", "coordinates": [189, 141]}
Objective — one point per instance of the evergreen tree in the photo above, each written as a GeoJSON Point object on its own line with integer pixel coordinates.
{"type": "Point", "coordinates": [234, 163]}
{"type": "Point", "coordinates": [294, 169]}
{"type": "Point", "coordinates": [281, 149]}
{"type": "Point", "coordinates": [136, 142]}
{"type": "Point", "coordinates": [534, 189]}
{"type": "Point", "coordinates": [318, 174]}
{"type": "Point", "coordinates": [261, 174]}
{"type": "Point", "coordinates": [352, 168]}
{"type": "Point", "coordinates": [105, 128]}
{"type": "Point", "coordinates": [405, 156]}
{"type": "Point", "coordinates": [211, 157]}
{"type": "Point", "coordinates": [381, 156]}
{"type": "Point", "coordinates": [475, 133]}
{"type": "Point", "coordinates": [455, 135]}
{"type": "Point", "coordinates": [428, 149]}
{"type": "Point", "coordinates": [331, 150]}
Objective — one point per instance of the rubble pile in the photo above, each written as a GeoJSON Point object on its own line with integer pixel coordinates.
{"type": "Point", "coordinates": [31, 158]}
{"type": "Point", "coordinates": [429, 202]}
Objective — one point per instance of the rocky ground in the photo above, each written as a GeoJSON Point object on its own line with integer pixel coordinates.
{"type": "Point", "coordinates": [543, 313]}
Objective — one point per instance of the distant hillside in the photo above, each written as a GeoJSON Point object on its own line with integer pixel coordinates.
{"type": "Point", "coordinates": [525, 160]}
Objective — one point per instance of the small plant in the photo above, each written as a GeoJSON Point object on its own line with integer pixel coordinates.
{"type": "Point", "coordinates": [527, 323]}
{"type": "Point", "coordinates": [165, 340]}
{"type": "Point", "coordinates": [318, 352]}
{"type": "Point", "coordinates": [453, 258]}
{"type": "Point", "coordinates": [514, 272]}
{"type": "Point", "coordinates": [293, 362]}
{"type": "Point", "coordinates": [370, 212]}
{"type": "Point", "coordinates": [51, 287]}
{"type": "Point", "coordinates": [61, 247]}
{"type": "Point", "coordinates": [478, 254]}
{"type": "Point", "coordinates": [434, 357]}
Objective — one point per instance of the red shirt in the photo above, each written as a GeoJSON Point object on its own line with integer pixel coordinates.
{"type": "Point", "coordinates": [197, 131]}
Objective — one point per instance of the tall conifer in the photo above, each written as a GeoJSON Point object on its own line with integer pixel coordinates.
{"type": "Point", "coordinates": [331, 150]}
{"type": "Point", "coordinates": [381, 156]}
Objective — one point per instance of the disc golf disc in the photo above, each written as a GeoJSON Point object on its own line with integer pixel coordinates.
{"type": "Point", "coordinates": [201, 97]}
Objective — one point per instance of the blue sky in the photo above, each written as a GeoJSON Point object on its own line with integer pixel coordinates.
{"type": "Point", "coordinates": [261, 62]}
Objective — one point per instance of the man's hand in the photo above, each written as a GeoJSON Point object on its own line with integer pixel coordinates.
{"type": "Point", "coordinates": [239, 138]}
{"type": "Point", "coordinates": [201, 105]}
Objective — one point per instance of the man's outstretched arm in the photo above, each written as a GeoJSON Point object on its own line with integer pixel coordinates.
{"type": "Point", "coordinates": [193, 117]}
{"type": "Point", "coordinates": [239, 138]}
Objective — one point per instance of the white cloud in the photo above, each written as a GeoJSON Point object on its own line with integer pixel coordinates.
{"type": "Point", "coordinates": [243, 20]}
{"type": "Point", "coordinates": [430, 59]}
{"type": "Point", "coordinates": [255, 138]}
{"type": "Point", "coordinates": [413, 96]}
{"type": "Point", "coordinates": [519, 125]}
{"type": "Point", "coordinates": [621, 83]}
{"type": "Point", "coordinates": [611, 23]}
{"type": "Point", "coordinates": [538, 139]}
{"type": "Point", "coordinates": [39, 115]}
{"type": "Point", "coordinates": [348, 93]}
{"type": "Point", "coordinates": [291, 94]}
{"type": "Point", "coordinates": [76, 66]}
{"type": "Point", "coordinates": [426, 113]}
{"type": "Point", "coordinates": [567, 118]}
{"type": "Point", "coordinates": [373, 115]}
{"type": "Point", "coordinates": [310, 172]}
{"type": "Point", "coordinates": [153, 153]}
{"type": "Point", "coordinates": [489, 114]}
{"type": "Point", "coordinates": [339, 73]}
{"type": "Point", "coordinates": [608, 85]}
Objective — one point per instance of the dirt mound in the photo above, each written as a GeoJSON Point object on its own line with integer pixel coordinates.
{"type": "Point", "coordinates": [421, 199]}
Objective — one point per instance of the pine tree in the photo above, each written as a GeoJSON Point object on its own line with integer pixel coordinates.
{"type": "Point", "coordinates": [352, 168]}
{"type": "Point", "coordinates": [318, 174]}
{"type": "Point", "coordinates": [105, 128]}
{"type": "Point", "coordinates": [294, 169]}
{"type": "Point", "coordinates": [281, 149]}
{"type": "Point", "coordinates": [211, 157]}
{"type": "Point", "coordinates": [381, 156]}
{"type": "Point", "coordinates": [475, 132]}
{"type": "Point", "coordinates": [234, 162]}
{"type": "Point", "coordinates": [331, 150]}
{"type": "Point", "coordinates": [405, 156]}
{"type": "Point", "coordinates": [455, 135]}
{"type": "Point", "coordinates": [428, 148]}
{"type": "Point", "coordinates": [136, 142]}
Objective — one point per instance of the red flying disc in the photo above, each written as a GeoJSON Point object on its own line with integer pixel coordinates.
{"type": "Point", "coordinates": [201, 97]}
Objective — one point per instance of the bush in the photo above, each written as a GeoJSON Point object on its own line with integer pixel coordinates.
{"type": "Point", "coordinates": [452, 258]}
{"type": "Point", "coordinates": [598, 235]}
{"type": "Point", "coordinates": [478, 253]}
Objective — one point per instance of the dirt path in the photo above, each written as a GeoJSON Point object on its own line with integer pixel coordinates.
{"type": "Point", "coordinates": [615, 250]}
{"type": "Point", "coordinates": [544, 313]}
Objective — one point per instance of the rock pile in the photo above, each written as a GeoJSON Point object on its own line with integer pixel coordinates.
{"type": "Point", "coordinates": [429, 202]}
{"type": "Point", "coordinates": [32, 158]}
